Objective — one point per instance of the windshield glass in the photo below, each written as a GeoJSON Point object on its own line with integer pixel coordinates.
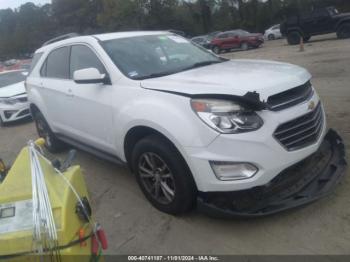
{"type": "Point", "coordinates": [156, 55]}
{"type": "Point", "coordinates": [11, 78]}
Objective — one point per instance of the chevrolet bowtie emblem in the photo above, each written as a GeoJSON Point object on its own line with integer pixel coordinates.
{"type": "Point", "coordinates": [312, 105]}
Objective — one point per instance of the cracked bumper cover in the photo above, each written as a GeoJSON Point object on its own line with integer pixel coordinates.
{"type": "Point", "coordinates": [309, 180]}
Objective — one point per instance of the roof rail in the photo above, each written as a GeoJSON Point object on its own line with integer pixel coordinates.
{"type": "Point", "coordinates": [61, 37]}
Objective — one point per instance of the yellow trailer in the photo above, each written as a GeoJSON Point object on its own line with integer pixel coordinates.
{"type": "Point", "coordinates": [78, 237]}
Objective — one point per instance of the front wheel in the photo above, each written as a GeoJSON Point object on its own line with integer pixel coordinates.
{"type": "Point", "coordinates": [344, 31]}
{"type": "Point", "coordinates": [52, 143]}
{"type": "Point", "coordinates": [271, 37]}
{"type": "Point", "coordinates": [293, 38]}
{"type": "Point", "coordinates": [163, 175]}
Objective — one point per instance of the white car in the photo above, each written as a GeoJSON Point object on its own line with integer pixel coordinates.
{"type": "Point", "coordinates": [13, 97]}
{"type": "Point", "coordinates": [274, 32]}
{"type": "Point", "coordinates": [234, 137]}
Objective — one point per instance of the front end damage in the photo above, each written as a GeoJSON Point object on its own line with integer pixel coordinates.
{"type": "Point", "coordinates": [307, 181]}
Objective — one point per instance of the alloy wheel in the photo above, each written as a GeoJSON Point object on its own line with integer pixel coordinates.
{"type": "Point", "coordinates": [157, 178]}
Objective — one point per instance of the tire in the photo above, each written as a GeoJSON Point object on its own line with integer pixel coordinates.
{"type": "Point", "coordinates": [244, 46]}
{"type": "Point", "coordinates": [216, 50]}
{"type": "Point", "coordinates": [163, 175]}
{"type": "Point", "coordinates": [271, 37]}
{"type": "Point", "coordinates": [52, 143]}
{"type": "Point", "coordinates": [343, 31]}
{"type": "Point", "coordinates": [306, 39]}
{"type": "Point", "coordinates": [293, 38]}
{"type": "Point", "coordinates": [1, 122]}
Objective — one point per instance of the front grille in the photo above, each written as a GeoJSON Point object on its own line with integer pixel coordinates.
{"type": "Point", "coordinates": [302, 131]}
{"type": "Point", "coordinates": [290, 97]}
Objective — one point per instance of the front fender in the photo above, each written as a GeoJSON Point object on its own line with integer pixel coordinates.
{"type": "Point", "coordinates": [169, 114]}
{"type": "Point", "coordinates": [36, 99]}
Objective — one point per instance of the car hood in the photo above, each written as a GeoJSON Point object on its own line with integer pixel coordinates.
{"type": "Point", "coordinates": [234, 77]}
{"type": "Point", "coordinates": [12, 90]}
{"type": "Point", "coordinates": [342, 15]}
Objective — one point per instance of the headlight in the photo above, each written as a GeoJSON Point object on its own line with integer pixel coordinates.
{"type": "Point", "coordinates": [226, 116]}
{"type": "Point", "coordinates": [9, 101]}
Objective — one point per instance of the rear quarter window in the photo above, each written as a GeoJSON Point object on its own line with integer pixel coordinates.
{"type": "Point", "coordinates": [57, 63]}
{"type": "Point", "coordinates": [35, 61]}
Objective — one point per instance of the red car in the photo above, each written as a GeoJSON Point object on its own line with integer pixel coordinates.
{"type": "Point", "coordinates": [236, 39]}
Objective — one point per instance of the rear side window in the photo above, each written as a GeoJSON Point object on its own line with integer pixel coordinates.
{"type": "Point", "coordinates": [57, 64]}
{"type": "Point", "coordinates": [34, 62]}
{"type": "Point", "coordinates": [83, 57]}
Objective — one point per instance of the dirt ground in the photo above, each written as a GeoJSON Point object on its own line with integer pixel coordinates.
{"type": "Point", "coordinates": [133, 226]}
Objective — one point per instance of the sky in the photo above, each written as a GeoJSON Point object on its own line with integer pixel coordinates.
{"type": "Point", "coordinates": [16, 3]}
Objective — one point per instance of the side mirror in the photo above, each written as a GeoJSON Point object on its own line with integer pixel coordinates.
{"type": "Point", "coordinates": [90, 76]}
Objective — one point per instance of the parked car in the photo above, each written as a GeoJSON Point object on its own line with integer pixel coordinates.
{"type": "Point", "coordinates": [320, 21]}
{"type": "Point", "coordinates": [13, 98]}
{"type": "Point", "coordinates": [234, 137]}
{"type": "Point", "coordinates": [203, 41]}
{"type": "Point", "coordinates": [236, 39]}
{"type": "Point", "coordinates": [274, 32]}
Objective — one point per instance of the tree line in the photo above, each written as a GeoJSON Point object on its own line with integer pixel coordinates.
{"type": "Point", "coordinates": [24, 29]}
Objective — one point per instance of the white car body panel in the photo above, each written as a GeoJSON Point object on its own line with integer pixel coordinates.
{"type": "Point", "coordinates": [236, 77]}
{"type": "Point", "coordinates": [102, 115]}
{"type": "Point", "coordinates": [21, 109]}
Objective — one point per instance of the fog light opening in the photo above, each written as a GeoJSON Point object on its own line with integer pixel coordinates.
{"type": "Point", "coordinates": [229, 171]}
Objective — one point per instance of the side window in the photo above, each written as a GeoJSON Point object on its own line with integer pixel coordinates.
{"type": "Point", "coordinates": [57, 63]}
{"type": "Point", "coordinates": [35, 60]}
{"type": "Point", "coordinates": [43, 69]}
{"type": "Point", "coordinates": [223, 36]}
{"type": "Point", "coordinates": [83, 57]}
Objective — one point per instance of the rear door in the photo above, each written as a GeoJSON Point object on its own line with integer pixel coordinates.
{"type": "Point", "coordinates": [54, 82]}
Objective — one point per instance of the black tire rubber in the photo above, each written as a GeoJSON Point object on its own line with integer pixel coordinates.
{"type": "Point", "coordinates": [216, 49]}
{"type": "Point", "coordinates": [1, 122]}
{"type": "Point", "coordinates": [52, 143]}
{"type": "Point", "coordinates": [306, 39]}
{"type": "Point", "coordinates": [343, 31]}
{"type": "Point", "coordinates": [185, 188]}
{"type": "Point", "coordinates": [271, 37]}
{"type": "Point", "coordinates": [293, 38]}
{"type": "Point", "coordinates": [244, 46]}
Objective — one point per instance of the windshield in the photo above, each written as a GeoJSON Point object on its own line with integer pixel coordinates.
{"type": "Point", "coordinates": [156, 55]}
{"type": "Point", "coordinates": [11, 78]}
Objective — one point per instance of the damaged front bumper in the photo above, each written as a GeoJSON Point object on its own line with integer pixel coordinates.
{"type": "Point", "coordinates": [309, 180]}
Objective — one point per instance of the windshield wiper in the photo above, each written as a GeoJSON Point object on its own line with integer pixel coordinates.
{"type": "Point", "coordinates": [155, 75]}
{"type": "Point", "coordinates": [204, 63]}
{"type": "Point", "coordinates": [166, 73]}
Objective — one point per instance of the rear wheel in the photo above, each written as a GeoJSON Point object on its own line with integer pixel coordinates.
{"type": "Point", "coordinates": [271, 37]}
{"type": "Point", "coordinates": [52, 143]}
{"type": "Point", "coordinates": [216, 50]}
{"type": "Point", "coordinates": [244, 46]}
{"type": "Point", "coordinates": [343, 31]}
{"type": "Point", "coordinates": [293, 38]}
{"type": "Point", "coordinates": [1, 122]}
{"type": "Point", "coordinates": [163, 175]}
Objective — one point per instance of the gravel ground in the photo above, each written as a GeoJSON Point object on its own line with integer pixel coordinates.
{"type": "Point", "coordinates": [134, 226]}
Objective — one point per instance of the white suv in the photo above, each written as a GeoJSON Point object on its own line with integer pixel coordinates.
{"type": "Point", "coordinates": [232, 137]}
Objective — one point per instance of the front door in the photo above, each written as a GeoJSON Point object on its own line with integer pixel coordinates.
{"type": "Point", "coordinates": [92, 123]}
